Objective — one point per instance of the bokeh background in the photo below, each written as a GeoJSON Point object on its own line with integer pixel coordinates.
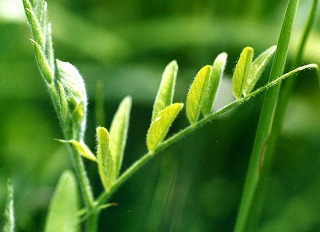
{"type": "Point", "coordinates": [121, 48]}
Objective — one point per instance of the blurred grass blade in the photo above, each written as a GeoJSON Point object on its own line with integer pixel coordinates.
{"type": "Point", "coordinates": [166, 89]}
{"type": "Point", "coordinates": [214, 80]}
{"type": "Point", "coordinates": [257, 68]}
{"type": "Point", "coordinates": [160, 126]}
{"type": "Point", "coordinates": [241, 72]}
{"type": "Point", "coordinates": [62, 214]}
{"type": "Point", "coordinates": [81, 148]}
{"type": "Point", "coordinates": [9, 211]}
{"type": "Point", "coordinates": [196, 93]}
{"type": "Point", "coordinates": [119, 131]}
{"type": "Point", "coordinates": [106, 165]}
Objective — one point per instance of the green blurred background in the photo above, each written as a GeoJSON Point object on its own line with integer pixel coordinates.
{"type": "Point", "coordinates": [195, 185]}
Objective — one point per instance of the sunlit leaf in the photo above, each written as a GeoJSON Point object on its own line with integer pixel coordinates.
{"type": "Point", "coordinates": [9, 211]}
{"type": "Point", "coordinates": [196, 93]}
{"type": "Point", "coordinates": [241, 72]}
{"type": "Point", "coordinates": [160, 126]}
{"type": "Point", "coordinates": [166, 89]}
{"type": "Point", "coordinates": [214, 80]}
{"type": "Point", "coordinates": [119, 131]}
{"type": "Point", "coordinates": [62, 215]}
{"type": "Point", "coordinates": [106, 165]}
{"type": "Point", "coordinates": [257, 68]}
{"type": "Point", "coordinates": [81, 148]}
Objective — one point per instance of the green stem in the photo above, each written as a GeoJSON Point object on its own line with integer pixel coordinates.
{"type": "Point", "coordinates": [81, 173]}
{"type": "Point", "coordinates": [178, 136]}
{"type": "Point", "coordinates": [279, 117]}
{"type": "Point", "coordinates": [266, 119]}
{"type": "Point", "coordinates": [92, 221]}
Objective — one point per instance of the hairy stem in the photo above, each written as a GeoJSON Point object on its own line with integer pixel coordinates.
{"type": "Point", "coordinates": [178, 136]}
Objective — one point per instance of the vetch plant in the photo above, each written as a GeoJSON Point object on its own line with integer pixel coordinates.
{"type": "Point", "coordinates": [67, 90]}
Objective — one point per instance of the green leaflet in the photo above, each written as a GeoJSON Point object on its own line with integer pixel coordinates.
{"type": "Point", "coordinates": [257, 68]}
{"type": "Point", "coordinates": [241, 72]}
{"type": "Point", "coordinates": [196, 93]}
{"type": "Point", "coordinates": [81, 148]}
{"type": "Point", "coordinates": [160, 126]}
{"type": "Point", "coordinates": [166, 89]}
{"type": "Point", "coordinates": [214, 80]}
{"type": "Point", "coordinates": [9, 211]}
{"type": "Point", "coordinates": [62, 215]}
{"type": "Point", "coordinates": [106, 167]}
{"type": "Point", "coordinates": [43, 63]}
{"type": "Point", "coordinates": [119, 131]}
{"type": "Point", "coordinates": [41, 29]}
{"type": "Point", "coordinates": [34, 23]}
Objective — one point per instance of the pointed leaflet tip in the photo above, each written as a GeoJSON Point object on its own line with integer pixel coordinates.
{"type": "Point", "coordinates": [196, 93]}
{"type": "Point", "coordinates": [241, 72]}
{"type": "Point", "coordinates": [213, 84]}
{"type": "Point", "coordinates": [166, 89]}
{"type": "Point", "coordinates": [81, 148]}
{"type": "Point", "coordinates": [160, 126]}
{"type": "Point", "coordinates": [106, 167]}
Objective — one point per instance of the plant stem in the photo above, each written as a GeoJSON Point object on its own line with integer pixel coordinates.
{"type": "Point", "coordinates": [83, 179]}
{"type": "Point", "coordinates": [92, 221]}
{"type": "Point", "coordinates": [279, 117]}
{"type": "Point", "coordinates": [178, 136]}
{"type": "Point", "coordinates": [266, 119]}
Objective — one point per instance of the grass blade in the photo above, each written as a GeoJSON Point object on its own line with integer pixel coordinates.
{"type": "Point", "coordinates": [62, 214]}
{"type": "Point", "coordinates": [106, 165]}
{"type": "Point", "coordinates": [166, 89]}
{"type": "Point", "coordinates": [196, 93]}
{"type": "Point", "coordinates": [119, 131]}
{"type": "Point", "coordinates": [241, 72]}
{"type": "Point", "coordinates": [214, 80]}
{"type": "Point", "coordinates": [266, 119]}
{"type": "Point", "coordinates": [160, 126]}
